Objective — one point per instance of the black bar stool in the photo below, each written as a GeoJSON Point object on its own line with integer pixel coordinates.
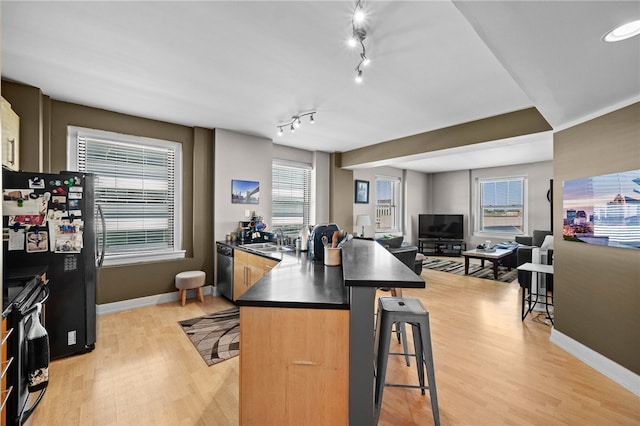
{"type": "Point", "coordinates": [409, 310]}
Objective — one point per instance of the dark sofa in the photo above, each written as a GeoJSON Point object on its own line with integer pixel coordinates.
{"type": "Point", "coordinates": [407, 254]}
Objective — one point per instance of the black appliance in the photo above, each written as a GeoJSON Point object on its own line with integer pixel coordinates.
{"type": "Point", "coordinates": [50, 220]}
{"type": "Point", "coordinates": [316, 248]}
{"type": "Point", "coordinates": [22, 291]}
{"type": "Point", "coordinates": [225, 270]}
{"type": "Point", "coordinates": [441, 226]}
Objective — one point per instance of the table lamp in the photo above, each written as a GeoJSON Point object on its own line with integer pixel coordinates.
{"type": "Point", "coordinates": [363, 220]}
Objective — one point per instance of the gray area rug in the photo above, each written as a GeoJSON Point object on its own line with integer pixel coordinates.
{"type": "Point", "coordinates": [475, 270]}
{"type": "Point", "coordinates": [215, 336]}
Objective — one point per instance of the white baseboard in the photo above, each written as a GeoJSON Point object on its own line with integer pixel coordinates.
{"type": "Point", "coordinates": [156, 299]}
{"type": "Point", "coordinates": [619, 374]}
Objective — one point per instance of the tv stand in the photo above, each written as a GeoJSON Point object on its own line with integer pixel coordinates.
{"type": "Point", "coordinates": [441, 247]}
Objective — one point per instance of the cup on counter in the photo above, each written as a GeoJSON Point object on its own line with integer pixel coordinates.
{"type": "Point", "coordinates": [332, 256]}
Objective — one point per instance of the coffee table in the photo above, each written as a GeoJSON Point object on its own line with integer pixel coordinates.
{"type": "Point", "coordinates": [492, 256]}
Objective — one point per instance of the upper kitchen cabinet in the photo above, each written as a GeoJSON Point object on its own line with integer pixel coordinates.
{"type": "Point", "coordinates": [10, 136]}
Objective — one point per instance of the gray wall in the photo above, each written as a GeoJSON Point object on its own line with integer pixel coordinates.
{"type": "Point", "coordinates": [538, 207]}
{"type": "Point", "coordinates": [416, 202]}
{"type": "Point", "coordinates": [453, 193]}
{"type": "Point", "coordinates": [241, 156]}
{"type": "Point", "coordinates": [415, 193]}
{"type": "Point", "coordinates": [245, 157]}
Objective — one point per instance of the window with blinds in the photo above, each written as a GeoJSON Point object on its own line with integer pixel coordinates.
{"type": "Point", "coordinates": [501, 207]}
{"type": "Point", "coordinates": [291, 195]}
{"type": "Point", "coordinates": [137, 190]}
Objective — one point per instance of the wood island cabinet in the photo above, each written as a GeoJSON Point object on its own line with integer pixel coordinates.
{"type": "Point", "coordinates": [294, 366]}
{"type": "Point", "coordinates": [248, 269]}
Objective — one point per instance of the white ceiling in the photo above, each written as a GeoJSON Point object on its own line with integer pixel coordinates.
{"type": "Point", "coordinates": [250, 65]}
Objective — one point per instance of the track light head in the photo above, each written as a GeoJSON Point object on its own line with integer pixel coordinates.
{"type": "Point", "coordinates": [359, 34]}
{"type": "Point", "coordinates": [359, 76]}
{"type": "Point", "coordinates": [293, 129]}
{"type": "Point", "coordinates": [280, 131]}
{"type": "Point", "coordinates": [312, 120]}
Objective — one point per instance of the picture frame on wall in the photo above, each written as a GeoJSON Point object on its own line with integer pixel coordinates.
{"type": "Point", "coordinates": [245, 191]}
{"type": "Point", "coordinates": [361, 191]}
{"type": "Point", "coordinates": [603, 210]}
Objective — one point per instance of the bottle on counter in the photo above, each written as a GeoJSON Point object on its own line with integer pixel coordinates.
{"type": "Point", "coordinates": [303, 236]}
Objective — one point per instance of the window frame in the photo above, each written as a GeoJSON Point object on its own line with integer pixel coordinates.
{"type": "Point", "coordinates": [478, 206]}
{"type": "Point", "coordinates": [397, 201]}
{"type": "Point", "coordinates": [73, 163]}
{"type": "Point", "coordinates": [306, 219]}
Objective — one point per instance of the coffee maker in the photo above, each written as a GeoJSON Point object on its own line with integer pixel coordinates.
{"type": "Point", "coordinates": [244, 232]}
{"type": "Point", "coordinates": [316, 248]}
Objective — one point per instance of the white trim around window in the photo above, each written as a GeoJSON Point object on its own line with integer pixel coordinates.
{"type": "Point", "coordinates": [139, 188]}
{"type": "Point", "coordinates": [508, 194]}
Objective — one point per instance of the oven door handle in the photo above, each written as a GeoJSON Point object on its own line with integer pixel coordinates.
{"type": "Point", "coordinates": [28, 411]}
{"type": "Point", "coordinates": [47, 291]}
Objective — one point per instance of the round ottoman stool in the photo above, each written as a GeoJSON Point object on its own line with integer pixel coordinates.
{"type": "Point", "coordinates": [189, 280]}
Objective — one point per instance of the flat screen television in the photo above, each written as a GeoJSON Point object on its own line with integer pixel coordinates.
{"type": "Point", "coordinates": [442, 226]}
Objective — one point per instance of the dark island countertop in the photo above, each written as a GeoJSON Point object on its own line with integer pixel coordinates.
{"type": "Point", "coordinates": [299, 282]}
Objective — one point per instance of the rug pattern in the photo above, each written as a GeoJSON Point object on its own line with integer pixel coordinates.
{"type": "Point", "coordinates": [475, 270]}
{"type": "Point", "coordinates": [215, 336]}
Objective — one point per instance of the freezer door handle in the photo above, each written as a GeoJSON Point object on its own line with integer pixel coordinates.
{"type": "Point", "coordinates": [103, 247]}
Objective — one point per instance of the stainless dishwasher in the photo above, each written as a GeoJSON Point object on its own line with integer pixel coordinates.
{"type": "Point", "coordinates": [225, 271]}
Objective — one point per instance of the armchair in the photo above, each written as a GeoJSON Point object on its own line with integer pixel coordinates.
{"type": "Point", "coordinates": [407, 254]}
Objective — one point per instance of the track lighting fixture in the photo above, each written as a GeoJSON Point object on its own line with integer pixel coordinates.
{"type": "Point", "coordinates": [359, 33]}
{"type": "Point", "coordinates": [295, 122]}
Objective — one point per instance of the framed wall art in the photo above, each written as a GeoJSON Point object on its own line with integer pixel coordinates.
{"type": "Point", "coordinates": [245, 191]}
{"type": "Point", "coordinates": [362, 191]}
{"type": "Point", "coordinates": [603, 210]}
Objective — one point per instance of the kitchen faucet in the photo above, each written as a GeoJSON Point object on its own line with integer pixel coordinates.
{"type": "Point", "coordinates": [279, 236]}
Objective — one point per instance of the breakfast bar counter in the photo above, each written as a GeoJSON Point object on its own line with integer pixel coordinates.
{"type": "Point", "coordinates": [305, 328]}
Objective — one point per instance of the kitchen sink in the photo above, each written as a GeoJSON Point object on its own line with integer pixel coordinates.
{"type": "Point", "coordinates": [268, 247]}
{"type": "Point", "coordinates": [258, 246]}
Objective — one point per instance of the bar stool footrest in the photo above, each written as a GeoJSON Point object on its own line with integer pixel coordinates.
{"type": "Point", "coordinates": [396, 385]}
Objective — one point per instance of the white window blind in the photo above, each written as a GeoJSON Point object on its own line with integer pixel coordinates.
{"type": "Point", "coordinates": [136, 189]}
{"type": "Point", "coordinates": [291, 195]}
{"type": "Point", "coordinates": [502, 205]}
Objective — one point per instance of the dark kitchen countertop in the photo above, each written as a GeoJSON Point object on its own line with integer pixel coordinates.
{"type": "Point", "coordinates": [299, 282]}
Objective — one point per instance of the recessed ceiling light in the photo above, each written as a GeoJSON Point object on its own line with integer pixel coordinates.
{"type": "Point", "coordinates": [623, 32]}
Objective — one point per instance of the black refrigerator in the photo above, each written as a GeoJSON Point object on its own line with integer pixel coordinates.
{"type": "Point", "coordinates": [50, 220]}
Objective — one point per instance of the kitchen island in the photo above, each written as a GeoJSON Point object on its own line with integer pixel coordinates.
{"type": "Point", "coordinates": [307, 338]}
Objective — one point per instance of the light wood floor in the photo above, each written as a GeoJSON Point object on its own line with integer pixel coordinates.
{"type": "Point", "coordinates": [491, 369]}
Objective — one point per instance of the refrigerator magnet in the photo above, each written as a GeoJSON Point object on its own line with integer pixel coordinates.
{"type": "Point", "coordinates": [74, 195]}
{"type": "Point", "coordinates": [36, 183]}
